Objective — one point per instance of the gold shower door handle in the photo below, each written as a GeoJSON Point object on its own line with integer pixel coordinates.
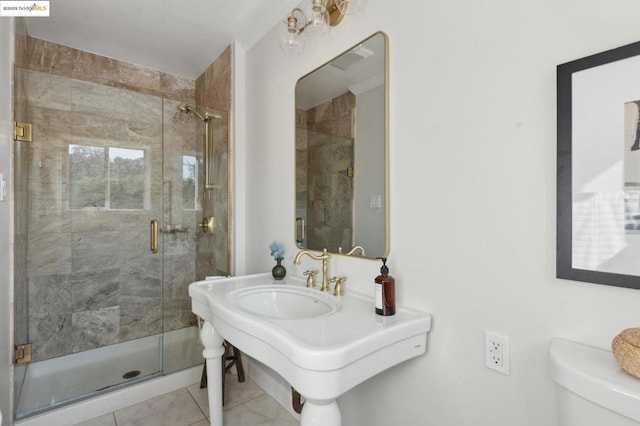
{"type": "Point", "coordinates": [208, 225]}
{"type": "Point", "coordinates": [154, 236]}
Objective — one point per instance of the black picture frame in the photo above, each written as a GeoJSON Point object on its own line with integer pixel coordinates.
{"type": "Point", "coordinates": [565, 134]}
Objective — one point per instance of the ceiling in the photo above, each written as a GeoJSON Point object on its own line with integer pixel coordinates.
{"type": "Point", "coordinates": [180, 37]}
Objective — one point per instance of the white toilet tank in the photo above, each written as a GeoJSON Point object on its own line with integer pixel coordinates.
{"type": "Point", "coordinates": [593, 390]}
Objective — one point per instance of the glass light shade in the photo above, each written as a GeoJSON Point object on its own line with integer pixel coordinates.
{"type": "Point", "coordinates": [291, 41]}
{"type": "Point", "coordinates": [350, 7]}
{"type": "Point", "coordinates": [318, 24]}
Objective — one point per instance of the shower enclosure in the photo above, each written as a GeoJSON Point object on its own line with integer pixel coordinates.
{"type": "Point", "coordinates": [109, 171]}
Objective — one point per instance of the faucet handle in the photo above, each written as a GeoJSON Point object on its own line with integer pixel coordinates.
{"type": "Point", "coordinates": [339, 288]}
{"type": "Point", "coordinates": [311, 282]}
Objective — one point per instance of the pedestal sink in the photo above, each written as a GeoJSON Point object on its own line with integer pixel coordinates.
{"type": "Point", "coordinates": [321, 344]}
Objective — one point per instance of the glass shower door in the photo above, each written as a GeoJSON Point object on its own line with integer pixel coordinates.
{"type": "Point", "coordinates": [189, 253]}
{"type": "Point", "coordinates": [182, 192]}
{"type": "Point", "coordinates": [100, 309]}
{"type": "Point", "coordinates": [89, 292]}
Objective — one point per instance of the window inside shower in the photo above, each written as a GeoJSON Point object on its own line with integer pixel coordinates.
{"type": "Point", "coordinates": [190, 199]}
{"type": "Point", "coordinates": [107, 178]}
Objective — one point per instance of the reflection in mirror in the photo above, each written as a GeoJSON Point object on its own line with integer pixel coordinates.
{"type": "Point", "coordinates": [341, 153]}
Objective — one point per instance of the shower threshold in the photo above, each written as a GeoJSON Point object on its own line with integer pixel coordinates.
{"type": "Point", "coordinates": [57, 382]}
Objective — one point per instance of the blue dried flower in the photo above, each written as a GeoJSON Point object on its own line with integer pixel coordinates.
{"type": "Point", "coordinates": [277, 251]}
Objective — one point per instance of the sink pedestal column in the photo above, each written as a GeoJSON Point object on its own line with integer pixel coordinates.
{"type": "Point", "coordinates": [325, 413]}
{"type": "Point", "coordinates": [213, 351]}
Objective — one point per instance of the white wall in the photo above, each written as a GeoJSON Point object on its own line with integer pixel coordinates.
{"type": "Point", "coordinates": [472, 134]}
{"type": "Point", "coordinates": [238, 158]}
{"type": "Point", "coordinates": [6, 220]}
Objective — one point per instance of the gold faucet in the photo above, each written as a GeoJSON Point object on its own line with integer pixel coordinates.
{"type": "Point", "coordinates": [339, 288]}
{"type": "Point", "coordinates": [353, 250]}
{"type": "Point", "coordinates": [324, 257]}
{"type": "Point", "coordinates": [311, 282]}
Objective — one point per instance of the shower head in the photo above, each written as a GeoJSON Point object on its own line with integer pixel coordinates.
{"type": "Point", "coordinates": [187, 109]}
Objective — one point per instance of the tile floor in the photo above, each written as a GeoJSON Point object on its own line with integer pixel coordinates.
{"type": "Point", "coordinates": [246, 404]}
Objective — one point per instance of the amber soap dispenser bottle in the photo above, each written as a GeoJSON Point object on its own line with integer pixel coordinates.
{"type": "Point", "coordinates": [385, 286]}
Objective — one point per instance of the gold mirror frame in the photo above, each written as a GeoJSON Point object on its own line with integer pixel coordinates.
{"type": "Point", "coordinates": [301, 229]}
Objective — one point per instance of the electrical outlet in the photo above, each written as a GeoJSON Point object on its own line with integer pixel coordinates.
{"type": "Point", "coordinates": [496, 351]}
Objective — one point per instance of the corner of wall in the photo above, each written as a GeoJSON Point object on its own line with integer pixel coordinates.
{"type": "Point", "coordinates": [7, 54]}
{"type": "Point", "coordinates": [238, 157]}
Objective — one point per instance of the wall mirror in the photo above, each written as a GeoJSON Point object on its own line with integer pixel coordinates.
{"type": "Point", "coordinates": [342, 174]}
{"type": "Point", "coordinates": [598, 216]}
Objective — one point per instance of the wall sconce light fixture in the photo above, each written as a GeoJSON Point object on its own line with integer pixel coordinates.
{"type": "Point", "coordinates": [316, 22]}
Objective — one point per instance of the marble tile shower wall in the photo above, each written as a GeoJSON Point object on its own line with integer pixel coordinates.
{"type": "Point", "coordinates": [213, 93]}
{"type": "Point", "coordinates": [324, 152]}
{"type": "Point", "coordinates": [91, 278]}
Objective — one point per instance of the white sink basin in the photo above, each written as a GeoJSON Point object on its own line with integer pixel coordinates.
{"type": "Point", "coordinates": [321, 344]}
{"type": "Point", "coordinates": [285, 301]}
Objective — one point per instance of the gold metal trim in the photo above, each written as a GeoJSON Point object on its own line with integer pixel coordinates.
{"type": "Point", "coordinates": [386, 142]}
{"type": "Point", "coordinates": [208, 225]}
{"type": "Point", "coordinates": [353, 250]}
{"type": "Point", "coordinates": [23, 353]}
{"type": "Point", "coordinates": [335, 16]}
{"type": "Point", "coordinates": [339, 288]}
{"type": "Point", "coordinates": [22, 132]}
{"type": "Point", "coordinates": [292, 21]}
{"type": "Point", "coordinates": [153, 236]}
{"type": "Point", "coordinates": [324, 257]}
{"type": "Point", "coordinates": [310, 274]}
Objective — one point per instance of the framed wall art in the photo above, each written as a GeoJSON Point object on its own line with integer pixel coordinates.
{"type": "Point", "coordinates": [598, 168]}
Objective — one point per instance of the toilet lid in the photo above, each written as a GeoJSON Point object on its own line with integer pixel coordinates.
{"type": "Point", "coordinates": [595, 375]}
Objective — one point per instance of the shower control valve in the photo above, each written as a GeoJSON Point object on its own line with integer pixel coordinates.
{"type": "Point", "coordinates": [208, 225]}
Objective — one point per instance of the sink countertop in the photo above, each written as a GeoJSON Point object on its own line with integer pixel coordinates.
{"type": "Point", "coordinates": [354, 334]}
